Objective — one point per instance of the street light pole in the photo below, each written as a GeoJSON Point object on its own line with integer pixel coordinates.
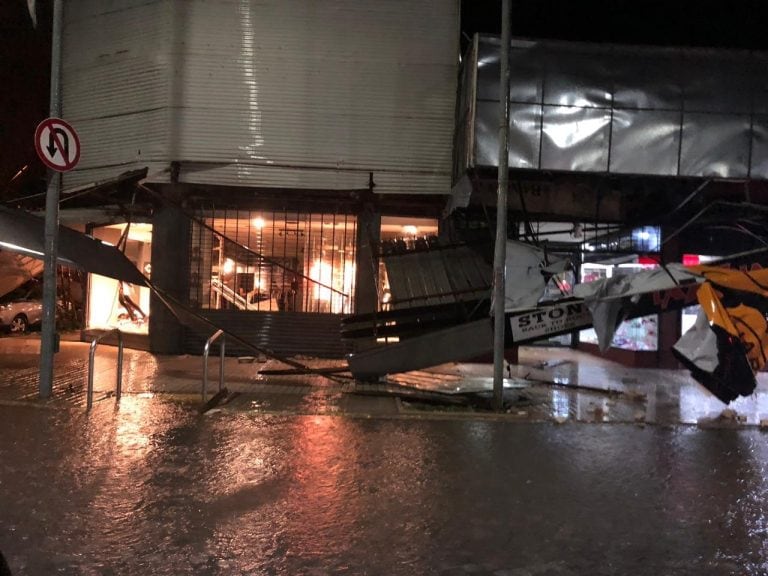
{"type": "Point", "coordinates": [48, 345]}
{"type": "Point", "coordinates": [500, 252]}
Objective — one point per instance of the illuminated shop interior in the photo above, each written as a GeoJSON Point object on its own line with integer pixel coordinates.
{"type": "Point", "coordinates": [273, 261]}
{"type": "Point", "coordinates": [284, 261]}
{"type": "Point", "coordinates": [113, 304]}
{"type": "Point", "coordinates": [408, 230]}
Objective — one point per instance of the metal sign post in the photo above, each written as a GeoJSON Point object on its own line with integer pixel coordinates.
{"type": "Point", "coordinates": [500, 252]}
{"type": "Point", "coordinates": [48, 344]}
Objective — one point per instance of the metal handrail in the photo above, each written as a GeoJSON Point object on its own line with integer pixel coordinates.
{"type": "Point", "coordinates": [91, 359]}
{"type": "Point", "coordinates": [206, 350]}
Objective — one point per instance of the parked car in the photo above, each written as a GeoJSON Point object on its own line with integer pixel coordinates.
{"type": "Point", "coordinates": [22, 308]}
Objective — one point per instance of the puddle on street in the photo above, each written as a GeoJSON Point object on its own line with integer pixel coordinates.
{"type": "Point", "coordinates": [152, 487]}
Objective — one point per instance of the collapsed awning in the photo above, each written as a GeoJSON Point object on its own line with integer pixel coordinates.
{"type": "Point", "coordinates": [24, 233]}
{"type": "Point", "coordinates": [16, 269]}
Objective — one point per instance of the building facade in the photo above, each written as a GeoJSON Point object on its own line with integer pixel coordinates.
{"type": "Point", "coordinates": [276, 135]}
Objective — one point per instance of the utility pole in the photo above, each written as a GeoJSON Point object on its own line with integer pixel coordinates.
{"type": "Point", "coordinates": [49, 342]}
{"type": "Point", "coordinates": [500, 252]}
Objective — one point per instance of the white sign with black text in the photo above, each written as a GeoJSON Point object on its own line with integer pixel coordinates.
{"type": "Point", "coordinates": [549, 321]}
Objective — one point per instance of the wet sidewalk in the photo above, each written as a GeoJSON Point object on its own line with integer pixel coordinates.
{"type": "Point", "coordinates": [274, 482]}
{"type": "Point", "coordinates": [549, 384]}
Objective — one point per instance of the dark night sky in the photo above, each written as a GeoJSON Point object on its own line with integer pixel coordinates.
{"type": "Point", "coordinates": [740, 24]}
{"type": "Point", "coordinates": [25, 52]}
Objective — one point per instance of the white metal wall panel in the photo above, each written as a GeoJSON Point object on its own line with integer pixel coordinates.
{"type": "Point", "coordinates": [271, 93]}
{"type": "Point", "coordinates": [269, 177]}
{"type": "Point", "coordinates": [343, 84]}
{"type": "Point", "coordinates": [116, 84]}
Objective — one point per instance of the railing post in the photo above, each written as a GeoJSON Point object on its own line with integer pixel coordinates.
{"type": "Point", "coordinates": [205, 369]}
{"type": "Point", "coordinates": [206, 352]}
{"type": "Point", "coordinates": [92, 359]}
{"type": "Point", "coordinates": [119, 387]}
{"type": "Point", "coordinates": [221, 362]}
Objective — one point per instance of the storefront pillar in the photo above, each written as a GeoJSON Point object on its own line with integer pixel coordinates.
{"type": "Point", "coordinates": [170, 262]}
{"type": "Point", "coordinates": [669, 322]}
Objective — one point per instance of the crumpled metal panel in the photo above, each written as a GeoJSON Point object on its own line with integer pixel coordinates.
{"type": "Point", "coordinates": [576, 75]}
{"type": "Point", "coordinates": [638, 85]}
{"type": "Point", "coordinates": [715, 145]}
{"type": "Point", "coordinates": [524, 134]}
{"type": "Point", "coordinates": [486, 132]}
{"type": "Point", "coordinates": [759, 147]}
{"type": "Point", "coordinates": [75, 180]}
{"type": "Point", "coordinates": [645, 142]}
{"type": "Point", "coordinates": [524, 68]}
{"type": "Point", "coordinates": [575, 138]}
{"type": "Point", "coordinates": [640, 101]}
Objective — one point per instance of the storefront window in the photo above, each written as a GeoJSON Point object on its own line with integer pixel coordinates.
{"type": "Point", "coordinates": [273, 261]}
{"type": "Point", "coordinates": [409, 230]}
{"type": "Point", "coordinates": [113, 304]}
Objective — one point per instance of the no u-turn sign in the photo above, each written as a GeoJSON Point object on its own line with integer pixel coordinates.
{"type": "Point", "coordinates": [57, 144]}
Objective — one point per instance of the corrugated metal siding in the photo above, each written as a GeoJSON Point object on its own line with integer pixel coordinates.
{"type": "Point", "coordinates": [264, 176]}
{"type": "Point", "coordinates": [285, 85]}
{"type": "Point", "coordinates": [286, 93]}
{"type": "Point", "coordinates": [286, 333]}
{"type": "Point", "coordinates": [116, 85]}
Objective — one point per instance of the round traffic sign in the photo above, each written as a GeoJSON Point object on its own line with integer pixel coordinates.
{"type": "Point", "coordinates": [57, 144]}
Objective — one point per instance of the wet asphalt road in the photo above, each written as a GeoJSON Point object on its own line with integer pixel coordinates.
{"type": "Point", "coordinates": [155, 488]}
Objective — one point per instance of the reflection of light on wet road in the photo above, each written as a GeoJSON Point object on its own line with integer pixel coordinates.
{"type": "Point", "coordinates": [323, 476]}
{"type": "Point", "coordinates": [155, 488]}
{"type": "Point", "coordinates": [131, 433]}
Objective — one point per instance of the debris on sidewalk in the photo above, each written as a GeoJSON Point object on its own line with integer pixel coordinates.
{"type": "Point", "coordinates": [727, 418]}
